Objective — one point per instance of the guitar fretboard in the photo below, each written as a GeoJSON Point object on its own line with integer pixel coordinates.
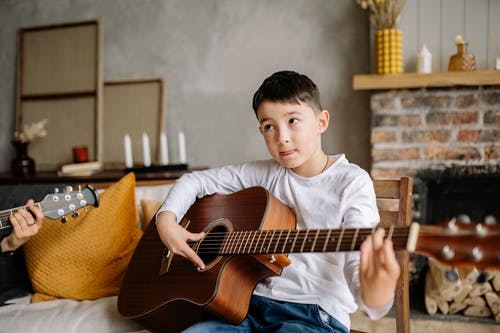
{"type": "Point", "coordinates": [293, 241]}
{"type": "Point", "coordinates": [5, 214]}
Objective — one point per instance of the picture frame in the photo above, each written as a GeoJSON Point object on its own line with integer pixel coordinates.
{"type": "Point", "coordinates": [134, 107]}
{"type": "Point", "coordinates": [60, 79]}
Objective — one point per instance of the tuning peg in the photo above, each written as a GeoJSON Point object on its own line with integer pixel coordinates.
{"type": "Point", "coordinates": [64, 219]}
{"type": "Point", "coordinates": [68, 189]}
{"type": "Point", "coordinates": [75, 214]}
{"type": "Point", "coordinates": [56, 190]}
{"type": "Point", "coordinates": [79, 188]}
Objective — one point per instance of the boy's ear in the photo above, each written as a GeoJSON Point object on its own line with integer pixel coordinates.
{"type": "Point", "coordinates": [323, 120]}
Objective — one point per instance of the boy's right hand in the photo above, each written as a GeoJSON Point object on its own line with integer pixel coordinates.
{"type": "Point", "coordinates": [175, 237]}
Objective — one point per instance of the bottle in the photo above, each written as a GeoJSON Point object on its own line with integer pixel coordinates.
{"type": "Point", "coordinates": [424, 61]}
{"type": "Point", "coordinates": [462, 61]}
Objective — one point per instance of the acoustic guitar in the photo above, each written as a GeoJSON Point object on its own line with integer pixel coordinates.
{"type": "Point", "coordinates": [246, 235]}
{"type": "Point", "coordinates": [57, 205]}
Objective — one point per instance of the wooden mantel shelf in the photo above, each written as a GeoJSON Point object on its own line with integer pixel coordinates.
{"type": "Point", "coordinates": [416, 80]}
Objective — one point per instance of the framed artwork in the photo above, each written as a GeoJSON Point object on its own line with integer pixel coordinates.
{"type": "Point", "coordinates": [60, 79]}
{"type": "Point", "coordinates": [132, 107]}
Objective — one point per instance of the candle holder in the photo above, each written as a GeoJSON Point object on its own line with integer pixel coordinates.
{"type": "Point", "coordinates": [157, 168]}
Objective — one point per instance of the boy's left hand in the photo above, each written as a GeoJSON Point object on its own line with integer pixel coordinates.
{"type": "Point", "coordinates": [378, 270]}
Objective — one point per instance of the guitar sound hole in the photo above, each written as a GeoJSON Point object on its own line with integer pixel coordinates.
{"type": "Point", "coordinates": [209, 247]}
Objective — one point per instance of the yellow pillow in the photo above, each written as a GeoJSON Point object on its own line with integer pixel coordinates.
{"type": "Point", "coordinates": [85, 258]}
{"type": "Point", "coordinates": [149, 208]}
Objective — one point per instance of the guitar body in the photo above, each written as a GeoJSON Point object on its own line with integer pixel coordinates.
{"type": "Point", "coordinates": [165, 293]}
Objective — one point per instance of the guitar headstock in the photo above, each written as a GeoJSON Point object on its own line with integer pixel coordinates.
{"type": "Point", "coordinates": [59, 205]}
{"type": "Point", "coordinates": [461, 244]}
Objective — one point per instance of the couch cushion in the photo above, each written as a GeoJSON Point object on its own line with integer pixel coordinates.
{"type": "Point", "coordinates": [85, 258]}
{"type": "Point", "coordinates": [149, 208]}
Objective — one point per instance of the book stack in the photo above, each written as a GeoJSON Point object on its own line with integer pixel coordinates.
{"type": "Point", "coordinates": [80, 169]}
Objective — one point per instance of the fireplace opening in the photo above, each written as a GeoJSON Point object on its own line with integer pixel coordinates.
{"type": "Point", "coordinates": [471, 194]}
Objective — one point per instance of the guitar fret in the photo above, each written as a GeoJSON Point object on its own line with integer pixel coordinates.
{"type": "Point", "coordinates": [286, 240]}
{"type": "Point", "coordinates": [355, 237]}
{"type": "Point", "coordinates": [241, 240]}
{"type": "Point", "coordinates": [327, 239]}
{"type": "Point", "coordinates": [340, 239]}
{"type": "Point", "coordinates": [232, 242]}
{"type": "Point", "coordinates": [270, 241]}
{"type": "Point", "coordinates": [250, 244]}
{"type": "Point", "coordinates": [314, 241]}
{"type": "Point", "coordinates": [257, 243]}
{"type": "Point", "coordinates": [304, 241]}
{"type": "Point", "coordinates": [263, 242]}
{"type": "Point", "coordinates": [277, 242]}
{"type": "Point", "coordinates": [294, 240]}
{"type": "Point", "coordinates": [235, 242]}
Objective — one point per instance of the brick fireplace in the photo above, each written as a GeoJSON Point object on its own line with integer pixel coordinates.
{"type": "Point", "coordinates": [448, 140]}
{"type": "Point", "coordinates": [414, 130]}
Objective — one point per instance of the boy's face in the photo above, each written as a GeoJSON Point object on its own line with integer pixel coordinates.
{"type": "Point", "coordinates": [292, 133]}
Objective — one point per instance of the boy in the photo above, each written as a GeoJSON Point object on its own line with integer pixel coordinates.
{"type": "Point", "coordinates": [316, 292]}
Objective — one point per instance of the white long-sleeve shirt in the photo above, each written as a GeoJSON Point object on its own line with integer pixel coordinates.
{"type": "Point", "coordinates": [341, 197]}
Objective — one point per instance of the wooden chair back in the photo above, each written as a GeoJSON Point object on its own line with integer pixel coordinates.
{"type": "Point", "coordinates": [395, 207]}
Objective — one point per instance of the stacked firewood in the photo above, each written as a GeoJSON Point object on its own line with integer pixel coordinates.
{"type": "Point", "coordinates": [469, 291]}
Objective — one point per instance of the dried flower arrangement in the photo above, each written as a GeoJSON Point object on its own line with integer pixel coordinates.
{"type": "Point", "coordinates": [31, 132]}
{"type": "Point", "coordinates": [384, 14]}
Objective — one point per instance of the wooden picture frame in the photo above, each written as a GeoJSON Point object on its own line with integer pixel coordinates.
{"type": "Point", "coordinates": [132, 107]}
{"type": "Point", "coordinates": [60, 79]}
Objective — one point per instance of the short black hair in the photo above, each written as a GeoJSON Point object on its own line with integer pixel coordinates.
{"type": "Point", "coordinates": [290, 87]}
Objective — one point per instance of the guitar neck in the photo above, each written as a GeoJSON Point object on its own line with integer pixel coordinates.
{"type": "Point", "coordinates": [5, 214]}
{"type": "Point", "coordinates": [295, 241]}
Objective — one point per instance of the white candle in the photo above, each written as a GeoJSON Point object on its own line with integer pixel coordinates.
{"type": "Point", "coordinates": [128, 151]}
{"type": "Point", "coordinates": [146, 154]}
{"type": "Point", "coordinates": [163, 148]}
{"type": "Point", "coordinates": [182, 147]}
{"type": "Point", "coordinates": [424, 61]}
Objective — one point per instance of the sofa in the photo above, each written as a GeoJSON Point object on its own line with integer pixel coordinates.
{"type": "Point", "coordinates": [75, 271]}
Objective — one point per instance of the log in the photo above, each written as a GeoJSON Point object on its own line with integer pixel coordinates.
{"type": "Point", "coordinates": [441, 288]}
{"type": "Point", "coordinates": [478, 301]}
{"type": "Point", "coordinates": [493, 301]}
{"type": "Point", "coordinates": [430, 305]}
{"type": "Point", "coordinates": [457, 307]}
{"type": "Point", "coordinates": [479, 289]}
{"type": "Point", "coordinates": [466, 288]}
{"type": "Point", "coordinates": [443, 306]}
{"type": "Point", "coordinates": [477, 311]}
{"type": "Point", "coordinates": [468, 275]}
{"type": "Point", "coordinates": [496, 281]}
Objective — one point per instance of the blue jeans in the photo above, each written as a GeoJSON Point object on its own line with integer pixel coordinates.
{"type": "Point", "coordinates": [266, 315]}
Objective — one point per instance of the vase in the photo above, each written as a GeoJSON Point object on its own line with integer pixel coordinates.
{"type": "Point", "coordinates": [462, 61]}
{"type": "Point", "coordinates": [22, 165]}
{"type": "Point", "coordinates": [389, 51]}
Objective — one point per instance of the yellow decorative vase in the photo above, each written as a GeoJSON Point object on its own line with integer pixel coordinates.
{"type": "Point", "coordinates": [389, 51]}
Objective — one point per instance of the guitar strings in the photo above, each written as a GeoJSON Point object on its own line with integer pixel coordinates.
{"type": "Point", "coordinates": [53, 208]}
{"type": "Point", "coordinates": [213, 244]}
{"type": "Point", "coordinates": [56, 205]}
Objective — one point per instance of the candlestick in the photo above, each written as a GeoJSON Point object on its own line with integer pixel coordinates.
{"type": "Point", "coordinates": [182, 147]}
{"type": "Point", "coordinates": [163, 148]}
{"type": "Point", "coordinates": [128, 151]}
{"type": "Point", "coordinates": [146, 154]}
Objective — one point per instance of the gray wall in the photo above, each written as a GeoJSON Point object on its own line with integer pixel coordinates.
{"type": "Point", "coordinates": [213, 54]}
{"type": "Point", "coordinates": [436, 23]}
